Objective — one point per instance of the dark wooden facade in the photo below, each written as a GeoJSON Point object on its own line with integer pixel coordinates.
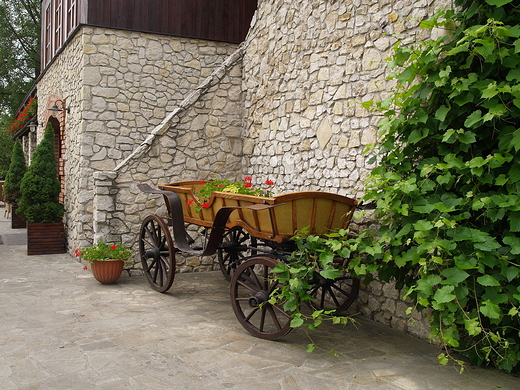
{"type": "Point", "coordinates": [216, 20]}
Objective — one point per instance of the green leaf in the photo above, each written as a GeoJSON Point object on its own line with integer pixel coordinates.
{"type": "Point", "coordinates": [515, 140]}
{"type": "Point", "coordinates": [514, 221]}
{"type": "Point", "coordinates": [444, 294]}
{"type": "Point", "coordinates": [454, 275]}
{"type": "Point", "coordinates": [310, 347]}
{"type": "Point", "coordinates": [498, 3]}
{"type": "Point", "coordinates": [415, 136]}
{"type": "Point", "coordinates": [473, 119]}
{"type": "Point", "coordinates": [514, 243]}
{"type": "Point", "coordinates": [443, 359]}
{"type": "Point", "coordinates": [423, 225]}
{"type": "Point", "coordinates": [296, 322]}
{"type": "Point", "coordinates": [488, 281]}
{"type": "Point", "coordinates": [490, 309]}
{"type": "Point", "coordinates": [472, 326]}
{"type": "Point", "coordinates": [441, 113]}
{"type": "Point", "coordinates": [330, 273]}
{"type": "Point", "coordinates": [487, 246]}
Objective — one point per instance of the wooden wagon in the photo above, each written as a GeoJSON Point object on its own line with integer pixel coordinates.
{"type": "Point", "coordinates": [250, 235]}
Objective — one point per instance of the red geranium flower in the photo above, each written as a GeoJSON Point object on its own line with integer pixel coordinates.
{"type": "Point", "coordinates": [205, 205]}
{"type": "Point", "coordinates": [220, 186]}
{"type": "Point", "coordinates": [248, 178]}
{"type": "Point", "coordinates": [77, 253]}
{"type": "Point", "coordinates": [189, 202]}
{"type": "Point", "coordinates": [248, 185]}
{"type": "Point", "coordinates": [201, 182]}
{"type": "Point", "coordinates": [269, 182]}
{"type": "Point", "coordinates": [85, 268]}
{"type": "Point", "coordinates": [113, 247]}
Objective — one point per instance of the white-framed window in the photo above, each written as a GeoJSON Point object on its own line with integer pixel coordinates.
{"type": "Point", "coordinates": [60, 18]}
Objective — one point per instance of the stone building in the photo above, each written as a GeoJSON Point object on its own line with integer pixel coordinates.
{"type": "Point", "coordinates": [144, 104]}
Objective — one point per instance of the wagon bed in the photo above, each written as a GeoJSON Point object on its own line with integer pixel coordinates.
{"type": "Point", "coordinates": [294, 211]}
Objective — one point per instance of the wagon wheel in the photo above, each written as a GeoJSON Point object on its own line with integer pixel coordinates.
{"type": "Point", "coordinates": [156, 250]}
{"type": "Point", "coordinates": [333, 294]}
{"type": "Point", "coordinates": [233, 250]}
{"type": "Point", "coordinates": [251, 285]}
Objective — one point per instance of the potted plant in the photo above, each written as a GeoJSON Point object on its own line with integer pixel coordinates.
{"type": "Point", "coordinates": [39, 204]}
{"type": "Point", "coordinates": [106, 260]}
{"type": "Point", "coordinates": [13, 179]}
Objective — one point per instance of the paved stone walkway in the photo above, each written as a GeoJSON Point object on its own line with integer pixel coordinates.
{"type": "Point", "coordinates": [60, 329]}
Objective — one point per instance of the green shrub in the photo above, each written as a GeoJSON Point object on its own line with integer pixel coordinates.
{"type": "Point", "coordinates": [13, 179]}
{"type": "Point", "coordinates": [40, 187]}
{"type": "Point", "coordinates": [447, 185]}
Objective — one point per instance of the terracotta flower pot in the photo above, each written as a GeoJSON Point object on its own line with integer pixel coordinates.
{"type": "Point", "coordinates": [107, 271]}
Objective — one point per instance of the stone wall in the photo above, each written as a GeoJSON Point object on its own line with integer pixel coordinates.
{"type": "Point", "coordinates": [308, 69]}
{"type": "Point", "coordinates": [119, 86]}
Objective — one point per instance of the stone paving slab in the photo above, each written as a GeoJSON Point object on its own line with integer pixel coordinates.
{"type": "Point", "coordinates": [14, 239]}
{"type": "Point", "coordinates": [62, 330]}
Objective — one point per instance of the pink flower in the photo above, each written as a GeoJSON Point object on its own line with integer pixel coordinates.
{"type": "Point", "coordinates": [205, 205]}
{"type": "Point", "coordinates": [247, 185]}
{"type": "Point", "coordinates": [113, 247]}
{"type": "Point", "coordinates": [269, 182]}
{"type": "Point", "coordinates": [248, 178]}
{"type": "Point", "coordinates": [189, 202]}
{"type": "Point", "coordinates": [85, 268]}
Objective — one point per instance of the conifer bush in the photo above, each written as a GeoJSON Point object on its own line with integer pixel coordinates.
{"type": "Point", "coordinates": [13, 179]}
{"type": "Point", "coordinates": [40, 186]}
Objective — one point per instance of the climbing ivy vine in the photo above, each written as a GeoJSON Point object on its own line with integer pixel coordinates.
{"type": "Point", "coordinates": [447, 182]}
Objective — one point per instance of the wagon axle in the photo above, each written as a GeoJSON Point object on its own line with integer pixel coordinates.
{"type": "Point", "coordinates": [260, 297]}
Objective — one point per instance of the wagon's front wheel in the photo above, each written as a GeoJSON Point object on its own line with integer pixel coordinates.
{"type": "Point", "coordinates": [251, 285]}
{"type": "Point", "coordinates": [156, 250]}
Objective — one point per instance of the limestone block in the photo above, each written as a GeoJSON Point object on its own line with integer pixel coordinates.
{"type": "Point", "coordinates": [324, 133]}
{"type": "Point", "coordinates": [91, 75]}
{"type": "Point", "coordinates": [371, 59]}
{"type": "Point", "coordinates": [100, 39]}
{"type": "Point", "coordinates": [154, 51]}
{"type": "Point", "coordinates": [369, 136]}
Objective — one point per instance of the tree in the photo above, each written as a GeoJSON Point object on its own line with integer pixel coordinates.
{"type": "Point", "coordinates": [6, 146]}
{"type": "Point", "coordinates": [19, 50]}
{"type": "Point", "coordinates": [40, 187]}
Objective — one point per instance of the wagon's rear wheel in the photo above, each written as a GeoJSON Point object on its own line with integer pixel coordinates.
{"type": "Point", "coordinates": [333, 294]}
{"type": "Point", "coordinates": [251, 285]}
{"type": "Point", "coordinates": [156, 250]}
{"type": "Point", "coordinates": [233, 250]}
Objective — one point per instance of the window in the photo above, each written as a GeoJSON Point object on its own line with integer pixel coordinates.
{"type": "Point", "coordinates": [47, 52]}
{"type": "Point", "coordinates": [72, 18]}
{"type": "Point", "coordinates": [60, 18]}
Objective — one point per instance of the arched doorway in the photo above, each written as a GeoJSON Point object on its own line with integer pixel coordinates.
{"type": "Point", "coordinates": [58, 153]}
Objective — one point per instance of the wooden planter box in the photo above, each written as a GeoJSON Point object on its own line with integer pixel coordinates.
{"type": "Point", "coordinates": [45, 238]}
{"type": "Point", "coordinates": [16, 221]}
{"type": "Point", "coordinates": [319, 211]}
